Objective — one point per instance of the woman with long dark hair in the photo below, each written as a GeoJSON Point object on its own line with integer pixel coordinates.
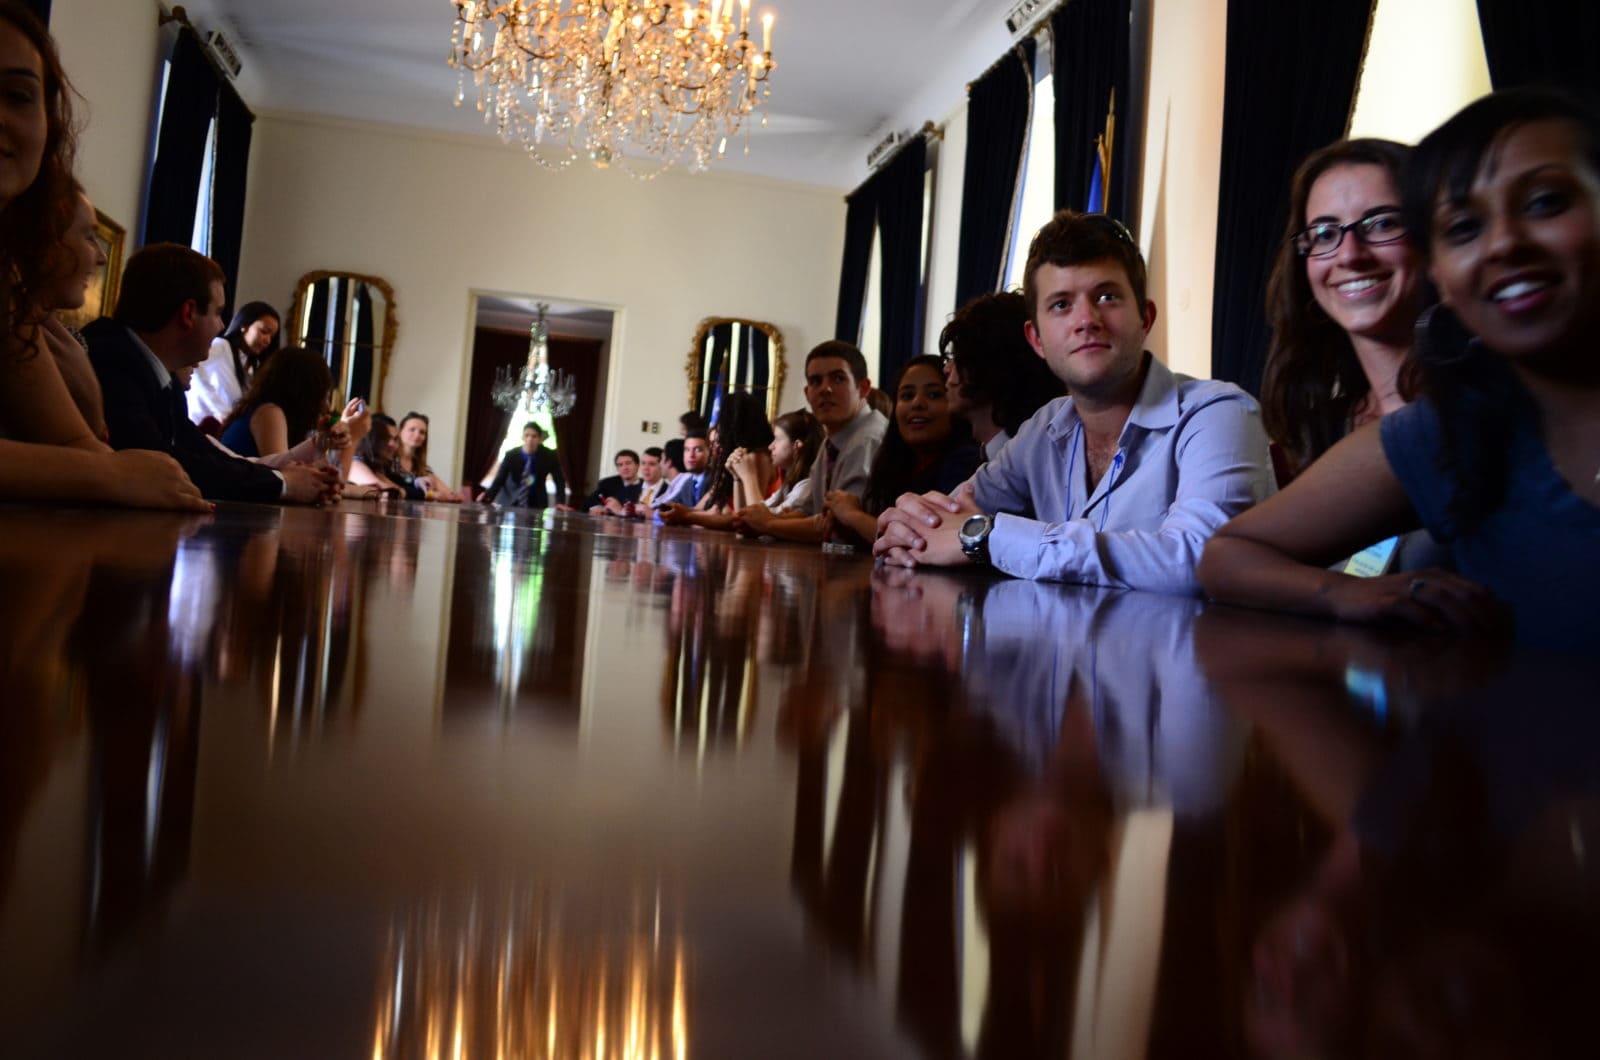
{"type": "Point", "coordinates": [47, 451]}
{"type": "Point", "coordinates": [285, 412]}
{"type": "Point", "coordinates": [236, 355]}
{"type": "Point", "coordinates": [1497, 457]}
{"type": "Point", "coordinates": [926, 448]}
{"type": "Point", "coordinates": [1342, 299]}
{"type": "Point", "coordinates": [797, 438]}
{"type": "Point", "coordinates": [411, 461]}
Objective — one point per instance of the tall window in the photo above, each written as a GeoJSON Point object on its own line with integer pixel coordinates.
{"type": "Point", "coordinates": [1036, 193]}
{"type": "Point", "coordinates": [1405, 91]}
{"type": "Point", "coordinates": [201, 238]}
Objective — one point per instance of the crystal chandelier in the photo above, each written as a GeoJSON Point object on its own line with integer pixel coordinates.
{"type": "Point", "coordinates": [536, 387]}
{"type": "Point", "coordinates": [665, 79]}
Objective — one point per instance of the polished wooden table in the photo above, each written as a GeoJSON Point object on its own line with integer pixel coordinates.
{"type": "Point", "coordinates": [422, 781]}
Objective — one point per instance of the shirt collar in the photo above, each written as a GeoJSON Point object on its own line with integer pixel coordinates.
{"type": "Point", "coordinates": [841, 437]}
{"type": "Point", "coordinates": [163, 376]}
{"type": "Point", "coordinates": [1156, 407]}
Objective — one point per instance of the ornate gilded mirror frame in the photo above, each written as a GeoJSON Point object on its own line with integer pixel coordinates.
{"type": "Point", "coordinates": [732, 342]}
{"type": "Point", "coordinates": [295, 332]}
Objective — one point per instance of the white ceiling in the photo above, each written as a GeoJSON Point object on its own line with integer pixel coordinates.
{"type": "Point", "coordinates": [848, 70]}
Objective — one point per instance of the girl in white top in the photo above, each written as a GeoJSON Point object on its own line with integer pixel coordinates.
{"type": "Point", "coordinates": [221, 379]}
{"type": "Point", "coordinates": [797, 438]}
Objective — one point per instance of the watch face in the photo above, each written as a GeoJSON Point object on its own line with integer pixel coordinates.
{"type": "Point", "coordinates": [974, 528]}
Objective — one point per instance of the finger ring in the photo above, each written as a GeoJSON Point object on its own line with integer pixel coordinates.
{"type": "Point", "coordinates": [1415, 587]}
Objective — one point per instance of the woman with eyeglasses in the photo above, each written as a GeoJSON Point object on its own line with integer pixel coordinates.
{"type": "Point", "coordinates": [1498, 457]}
{"type": "Point", "coordinates": [1343, 298]}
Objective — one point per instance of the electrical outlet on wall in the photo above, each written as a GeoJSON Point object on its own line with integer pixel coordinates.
{"type": "Point", "coordinates": [644, 425]}
{"type": "Point", "coordinates": [655, 426]}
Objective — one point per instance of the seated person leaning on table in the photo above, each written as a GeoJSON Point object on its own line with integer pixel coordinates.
{"type": "Point", "coordinates": [614, 492]}
{"type": "Point", "coordinates": [685, 460]}
{"type": "Point", "coordinates": [926, 448]}
{"type": "Point", "coordinates": [1122, 482]}
{"type": "Point", "coordinates": [166, 316]}
{"type": "Point", "coordinates": [741, 429]}
{"type": "Point", "coordinates": [836, 386]}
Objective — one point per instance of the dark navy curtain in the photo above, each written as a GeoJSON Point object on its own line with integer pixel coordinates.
{"type": "Point", "coordinates": [190, 103]}
{"type": "Point", "coordinates": [1551, 42]}
{"type": "Point", "coordinates": [997, 133]}
{"type": "Point", "coordinates": [901, 197]}
{"type": "Point", "coordinates": [861, 218]}
{"type": "Point", "coordinates": [234, 122]}
{"type": "Point", "coordinates": [1286, 100]}
{"type": "Point", "coordinates": [1090, 66]}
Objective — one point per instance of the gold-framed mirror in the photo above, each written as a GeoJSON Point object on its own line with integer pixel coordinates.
{"type": "Point", "coordinates": [735, 354]}
{"type": "Point", "coordinates": [349, 318]}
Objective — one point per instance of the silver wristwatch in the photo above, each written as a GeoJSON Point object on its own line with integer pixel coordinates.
{"type": "Point", "coordinates": [974, 537]}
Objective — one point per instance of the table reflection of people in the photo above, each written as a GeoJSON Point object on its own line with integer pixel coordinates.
{"type": "Point", "coordinates": [1033, 724]}
{"type": "Point", "coordinates": [1454, 909]}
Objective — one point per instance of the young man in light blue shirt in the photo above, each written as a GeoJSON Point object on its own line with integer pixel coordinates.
{"type": "Point", "coordinates": [1120, 483]}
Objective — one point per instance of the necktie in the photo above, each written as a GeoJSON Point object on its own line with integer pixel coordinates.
{"type": "Point", "coordinates": [833, 463]}
{"type": "Point", "coordinates": [696, 483]}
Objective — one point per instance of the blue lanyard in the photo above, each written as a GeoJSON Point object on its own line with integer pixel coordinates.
{"type": "Point", "coordinates": [1111, 484]}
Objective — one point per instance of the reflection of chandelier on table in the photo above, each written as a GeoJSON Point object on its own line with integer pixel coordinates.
{"type": "Point", "coordinates": [536, 387]}
{"type": "Point", "coordinates": [603, 77]}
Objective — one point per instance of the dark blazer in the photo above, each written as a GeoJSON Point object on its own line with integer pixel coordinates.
{"type": "Point", "coordinates": [611, 487]}
{"type": "Point", "coordinates": [141, 415]}
{"type": "Point", "coordinates": [508, 489]}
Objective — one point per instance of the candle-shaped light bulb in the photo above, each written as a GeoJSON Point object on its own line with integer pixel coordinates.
{"type": "Point", "coordinates": [766, 32]}
{"type": "Point", "coordinates": [744, 16]}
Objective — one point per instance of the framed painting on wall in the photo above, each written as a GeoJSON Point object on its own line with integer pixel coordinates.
{"type": "Point", "coordinates": [101, 297]}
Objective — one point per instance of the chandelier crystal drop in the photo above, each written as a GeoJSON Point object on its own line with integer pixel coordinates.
{"type": "Point", "coordinates": [611, 80]}
{"type": "Point", "coordinates": [536, 387]}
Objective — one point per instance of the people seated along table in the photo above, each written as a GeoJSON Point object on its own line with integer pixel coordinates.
{"type": "Point", "coordinates": [166, 316]}
{"type": "Point", "coordinates": [1121, 482]}
{"type": "Point", "coordinates": [926, 448]}
{"type": "Point", "coordinates": [1343, 297]}
{"type": "Point", "coordinates": [994, 379]}
{"type": "Point", "coordinates": [741, 428]}
{"type": "Point", "coordinates": [48, 452]}
{"type": "Point", "coordinates": [1497, 456]}
{"type": "Point", "coordinates": [685, 462]}
{"type": "Point", "coordinates": [235, 356]}
{"type": "Point", "coordinates": [614, 492]}
{"type": "Point", "coordinates": [837, 385]}
{"type": "Point", "coordinates": [520, 480]}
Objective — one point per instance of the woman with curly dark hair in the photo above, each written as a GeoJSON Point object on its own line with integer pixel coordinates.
{"type": "Point", "coordinates": [47, 451]}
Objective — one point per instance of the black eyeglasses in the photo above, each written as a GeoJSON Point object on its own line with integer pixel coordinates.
{"type": "Point", "coordinates": [1374, 230]}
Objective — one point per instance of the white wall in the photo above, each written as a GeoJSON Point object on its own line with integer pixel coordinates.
{"type": "Point", "coordinates": [111, 51]}
{"type": "Point", "coordinates": [1406, 90]}
{"type": "Point", "coordinates": [1182, 162]}
{"type": "Point", "coordinates": [439, 216]}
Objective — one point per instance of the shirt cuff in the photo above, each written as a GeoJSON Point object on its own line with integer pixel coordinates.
{"type": "Point", "coordinates": [283, 483]}
{"type": "Point", "coordinates": [1015, 544]}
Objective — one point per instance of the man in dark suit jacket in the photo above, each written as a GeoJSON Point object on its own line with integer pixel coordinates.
{"type": "Point", "coordinates": [616, 491]}
{"type": "Point", "coordinates": [167, 313]}
{"type": "Point", "coordinates": [519, 483]}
